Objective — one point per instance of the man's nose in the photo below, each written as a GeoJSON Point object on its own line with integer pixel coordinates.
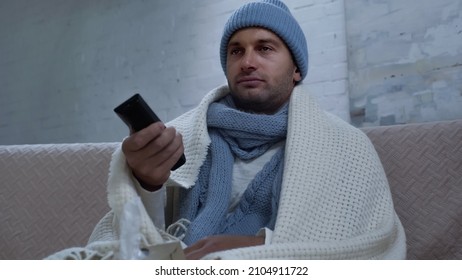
{"type": "Point", "coordinates": [249, 61]}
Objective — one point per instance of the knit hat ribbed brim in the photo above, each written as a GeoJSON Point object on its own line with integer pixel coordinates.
{"type": "Point", "coordinates": [274, 16]}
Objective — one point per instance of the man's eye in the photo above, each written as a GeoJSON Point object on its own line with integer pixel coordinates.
{"type": "Point", "coordinates": [265, 49]}
{"type": "Point", "coordinates": [234, 51]}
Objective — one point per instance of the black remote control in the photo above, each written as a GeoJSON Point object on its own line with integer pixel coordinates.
{"type": "Point", "coordinates": [136, 114]}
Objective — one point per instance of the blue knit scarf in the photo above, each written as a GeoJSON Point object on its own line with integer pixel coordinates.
{"type": "Point", "coordinates": [244, 135]}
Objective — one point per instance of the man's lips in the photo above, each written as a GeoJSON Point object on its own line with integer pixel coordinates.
{"type": "Point", "coordinates": [248, 80]}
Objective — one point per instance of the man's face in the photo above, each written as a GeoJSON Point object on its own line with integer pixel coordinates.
{"type": "Point", "coordinates": [260, 71]}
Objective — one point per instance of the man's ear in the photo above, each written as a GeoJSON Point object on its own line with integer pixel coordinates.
{"type": "Point", "coordinates": [297, 75]}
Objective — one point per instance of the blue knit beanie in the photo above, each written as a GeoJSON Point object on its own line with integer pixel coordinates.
{"type": "Point", "coordinates": [274, 16]}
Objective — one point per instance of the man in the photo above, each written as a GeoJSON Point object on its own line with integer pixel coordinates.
{"type": "Point", "coordinates": [268, 174]}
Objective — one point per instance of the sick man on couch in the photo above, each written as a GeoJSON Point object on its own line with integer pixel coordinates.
{"type": "Point", "coordinates": [268, 174]}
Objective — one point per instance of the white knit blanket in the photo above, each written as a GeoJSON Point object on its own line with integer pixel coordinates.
{"type": "Point", "coordinates": [335, 200]}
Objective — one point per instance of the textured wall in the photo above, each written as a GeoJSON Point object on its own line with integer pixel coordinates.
{"type": "Point", "coordinates": [66, 64]}
{"type": "Point", "coordinates": [404, 60]}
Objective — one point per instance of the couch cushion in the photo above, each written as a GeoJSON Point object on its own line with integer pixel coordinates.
{"type": "Point", "coordinates": [423, 163]}
{"type": "Point", "coordinates": [51, 196]}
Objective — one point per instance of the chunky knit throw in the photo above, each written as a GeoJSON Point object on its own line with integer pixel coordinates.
{"type": "Point", "coordinates": [244, 135]}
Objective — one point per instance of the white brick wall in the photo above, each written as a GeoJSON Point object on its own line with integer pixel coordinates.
{"type": "Point", "coordinates": [405, 61]}
{"type": "Point", "coordinates": [66, 64]}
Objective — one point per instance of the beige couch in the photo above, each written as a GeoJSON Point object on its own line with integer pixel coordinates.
{"type": "Point", "coordinates": [52, 195]}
